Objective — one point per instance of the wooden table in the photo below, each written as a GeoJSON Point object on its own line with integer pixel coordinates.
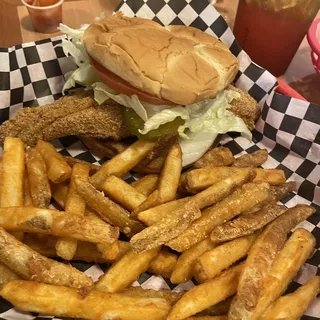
{"type": "Point", "coordinates": [15, 28]}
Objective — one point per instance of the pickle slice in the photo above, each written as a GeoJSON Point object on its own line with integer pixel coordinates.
{"type": "Point", "coordinates": [134, 123]}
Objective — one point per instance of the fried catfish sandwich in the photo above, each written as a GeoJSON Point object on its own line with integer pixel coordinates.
{"type": "Point", "coordinates": [150, 81]}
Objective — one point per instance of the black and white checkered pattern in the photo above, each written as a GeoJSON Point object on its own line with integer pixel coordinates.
{"type": "Point", "coordinates": [31, 74]}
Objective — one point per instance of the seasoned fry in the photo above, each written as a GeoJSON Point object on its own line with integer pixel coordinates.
{"type": "Point", "coordinates": [292, 306]}
{"type": "Point", "coordinates": [123, 162]}
{"type": "Point", "coordinates": [53, 222]}
{"type": "Point", "coordinates": [7, 275]}
{"type": "Point", "coordinates": [168, 181]}
{"type": "Point", "coordinates": [147, 184]}
{"type": "Point", "coordinates": [75, 205]}
{"type": "Point", "coordinates": [218, 309]}
{"type": "Point", "coordinates": [155, 214]}
{"type": "Point", "coordinates": [264, 251]}
{"type": "Point", "coordinates": [163, 264]}
{"type": "Point", "coordinates": [246, 224]}
{"type": "Point", "coordinates": [119, 276]}
{"type": "Point", "coordinates": [38, 179]}
{"type": "Point", "coordinates": [86, 251]}
{"type": "Point", "coordinates": [12, 176]}
{"type": "Point", "coordinates": [109, 251]}
{"type": "Point", "coordinates": [106, 147]}
{"type": "Point", "coordinates": [239, 201]}
{"type": "Point", "coordinates": [27, 201]}
{"type": "Point", "coordinates": [152, 167]}
{"type": "Point", "coordinates": [217, 157]}
{"type": "Point", "coordinates": [57, 167]}
{"type": "Point", "coordinates": [200, 179]}
{"type": "Point", "coordinates": [31, 265]}
{"type": "Point", "coordinates": [122, 193]}
{"type": "Point", "coordinates": [205, 198]}
{"type": "Point", "coordinates": [213, 262]}
{"type": "Point", "coordinates": [254, 159]}
{"type": "Point", "coordinates": [170, 296]}
{"type": "Point", "coordinates": [272, 176]}
{"type": "Point", "coordinates": [202, 296]}
{"type": "Point", "coordinates": [70, 302]}
{"type": "Point", "coordinates": [59, 193]}
{"type": "Point", "coordinates": [167, 228]}
{"type": "Point", "coordinates": [183, 270]}
{"type": "Point", "coordinates": [225, 317]}
{"type": "Point", "coordinates": [107, 209]}
{"type": "Point", "coordinates": [72, 161]}
{"type": "Point", "coordinates": [276, 194]}
{"type": "Point", "coordinates": [287, 263]}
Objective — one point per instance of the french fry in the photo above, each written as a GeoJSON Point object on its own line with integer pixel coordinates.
{"type": "Point", "coordinates": [163, 264]}
{"type": "Point", "coordinates": [74, 205]}
{"type": "Point", "coordinates": [202, 296]}
{"type": "Point", "coordinates": [59, 193]}
{"type": "Point", "coordinates": [205, 198]}
{"type": "Point", "coordinates": [155, 214]}
{"type": "Point", "coordinates": [254, 159]}
{"type": "Point", "coordinates": [107, 209]}
{"type": "Point", "coordinates": [118, 277]}
{"type": "Point", "coordinates": [106, 147]}
{"type": "Point", "coordinates": [31, 265]}
{"type": "Point", "coordinates": [53, 222]}
{"type": "Point", "coordinates": [170, 296]}
{"type": "Point", "coordinates": [272, 176]}
{"type": "Point", "coordinates": [122, 192]}
{"type": "Point", "coordinates": [287, 263]}
{"type": "Point", "coordinates": [57, 167]}
{"type": "Point", "coordinates": [109, 251]}
{"type": "Point", "coordinates": [86, 251]}
{"type": "Point", "coordinates": [200, 179]}
{"type": "Point", "coordinates": [123, 162]}
{"type": "Point", "coordinates": [265, 249]}
{"type": "Point", "coordinates": [225, 317]}
{"type": "Point", "coordinates": [12, 176]}
{"type": "Point", "coordinates": [292, 306]}
{"type": "Point", "coordinates": [70, 302]}
{"type": "Point", "coordinates": [38, 179]}
{"type": "Point", "coordinates": [27, 201]}
{"type": "Point", "coordinates": [246, 224]}
{"type": "Point", "coordinates": [218, 309]}
{"type": "Point", "coordinates": [168, 181]}
{"type": "Point", "coordinates": [167, 228]}
{"type": "Point", "coordinates": [72, 161]}
{"type": "Point", "coordinates": [147, 184]}
{"type": "Point", "coordinates": [237, 202]}
{"type": "Point", "coordinates": [7, 275]}
{"type": "Point", "coordinates": [183, 270]}
{"type": "Point", "coordinates": [213, 262]}
{"type": "Point", "coordinates": [153, 167]}
{"type": "Point", "coordinates": [276, 194]}
{"type": "Point", "coordinates": [217, 157]}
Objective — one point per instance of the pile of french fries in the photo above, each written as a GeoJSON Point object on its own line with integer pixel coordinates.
{"type": "Point", "coordinates": [218, 222]}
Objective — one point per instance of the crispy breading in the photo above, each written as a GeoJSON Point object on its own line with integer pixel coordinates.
{"type": "Point", "coordinates": [69, 115]}
{"type": "Point", "coordinates": [245, 107]}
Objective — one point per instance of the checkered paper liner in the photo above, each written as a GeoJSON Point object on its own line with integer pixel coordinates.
{"type": "Point", "coordinates": [31, 74]}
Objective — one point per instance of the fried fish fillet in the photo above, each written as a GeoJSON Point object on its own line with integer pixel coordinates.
{"type": "Point", "coordinates": [77, 114]}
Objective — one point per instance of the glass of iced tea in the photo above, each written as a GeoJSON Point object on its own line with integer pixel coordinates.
{"type": "Point", "coordinates": [45, 14]}
{"type": "Point", "coordinates": [271, 31]}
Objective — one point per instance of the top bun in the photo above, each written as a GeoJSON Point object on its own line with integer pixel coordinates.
{"type": "Point", "coordinates": [176, 63]}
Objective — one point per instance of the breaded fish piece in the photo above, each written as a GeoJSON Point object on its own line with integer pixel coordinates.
{"type": "Point", "coordinates": [77, 114]}
{"type": "Point", "coordinates": [245, 108]}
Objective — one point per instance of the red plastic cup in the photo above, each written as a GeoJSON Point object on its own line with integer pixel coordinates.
{"type": "Point", "coordinates": [271, 31]}
{"type": "Point", "coordinates": [46, 15]}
